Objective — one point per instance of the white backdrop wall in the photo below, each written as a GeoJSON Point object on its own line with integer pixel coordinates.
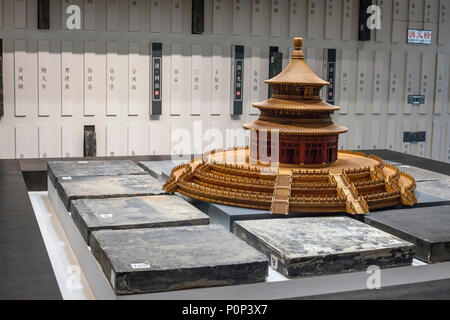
{"type": "Point", "coordinates": [57, 81]}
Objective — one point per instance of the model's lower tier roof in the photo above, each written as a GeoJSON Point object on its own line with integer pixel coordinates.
{"type": "Point", "coordinates": [314, 105]}
{"type": "Point", "coordinates": [327, 128]}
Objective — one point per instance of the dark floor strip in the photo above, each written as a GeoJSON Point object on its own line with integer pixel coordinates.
{"type": "Point", "coordinates": [24, 263]}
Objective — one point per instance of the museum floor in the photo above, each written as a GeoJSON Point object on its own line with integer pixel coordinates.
{"type": "Point", "coordinates": [38, 261]}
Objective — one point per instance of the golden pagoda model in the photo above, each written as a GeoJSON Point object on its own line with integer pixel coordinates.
{"type": "Point", "coordinates": [293, 164]}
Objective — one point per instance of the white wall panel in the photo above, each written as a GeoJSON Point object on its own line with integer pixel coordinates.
{"type": "Point", "coordinates": [358, 135]}
{"type": "Point", "coordinates": [7, 143]}
{"type": "Point", "coordinates": [89, 15]}
{"type": "Point", "coordinates": [177, 105]}
{"type": "Point", "coordinates": [72, 141]}
{"type": "Point", "coordinates": [239, 17]}
{"type": "Point", "coordinates": [1, 13]}
{"type": "Point", "coordinates": [177, 16]}
{"type": "Point", "coordinates": [71, 80]}
{"type": "Point", "coordinates": [375, 134]}
{"type": "Point", "coordinates": [256, 83]}
{"type": "Point", "coordinates": [155, 15]}
{"type": "Point", "coordinates": [157, 138]}
{"type": "Point", "coordinates": [257, 17]}
{"type": "Point", "coordinates": [333, 19]}
{"type": "Point", "coordinates": [275, 18]}
{"type": "Point", "coordinates": [396, 82]}
{"type": "Point", "coordinates": [347, 19]}
{"type": "Point", "coordinates": [199, 79]}
{"type": "Point", "coordinates": [112, 18]}
{"type": "Point", "coordinates": [444, 22]}
{"type": "Point", "coordinates": [219, 95]}
{"type": "Point", "coordinates": [380, 82]}
{"type": "Point", "coordinates": [298, 10]}
{"type": "Point", "coordinates": [347, 81]}
{"type": "Point", "coordinates": [138, 80]}
{"type": "Point", "coordinates": [427, 82]}
{"type": "Point", "coordinates": [180, 139]}
{"type": "Point", "coordinates": [113, 79]}
{"type": "Point", "coordinates": [391, 135]}
{"type": "Point", "coordinates": [431, 11]}
{"type": "Point", "coordinates": [363, 87]}
{"type": "Point", "coordinates": [315, 18]}
{"type": "Point", "coordinates": [25, 69]}
{"type": "Point", "coordinates": [218, 16]}
{"type": "Point", "coordinates": [447, 149]}
{"type": "Point", "coordinates": [441, 87]}
{"type": "Point", "coordinates": [26, 142]}
{"type": "Point", "coordinates": [116, 140]}
{"type": "Point", "coordinates": [92, 84]}
{"type": "Point", "coordinates": [49, 141]}
{"type": "Point", "coordinates": [20, 14]}
{"type": "Point", "coordinates": [49, 72]}
{"type": "Point", "coordinates": [138, 139]}
{"type": "Point", "coordinates": [134, 14]}
{"type": "Point", "coordinates": [438, 141]}
{"type": "Point", "coordinates": [412, 78]}
{"type": "Point", "coordinates": [415, 11]}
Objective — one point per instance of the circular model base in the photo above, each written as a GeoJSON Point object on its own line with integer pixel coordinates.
{"type": "Point", "coordinates": [355, 183]}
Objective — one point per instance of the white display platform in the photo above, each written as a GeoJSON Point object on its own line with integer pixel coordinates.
{"type": "Point", "coordinates": [274, 288]}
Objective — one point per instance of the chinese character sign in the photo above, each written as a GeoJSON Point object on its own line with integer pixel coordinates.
{"type": "Point", "coordinates": [419, 36]}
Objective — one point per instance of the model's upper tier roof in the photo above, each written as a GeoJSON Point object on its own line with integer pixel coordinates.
{"type": "Point", "coordinates": [314, 128]}
{"type": "Point", "coordinates": [296, 105]}
{"type": "Point", "coordinates": [297, 71]}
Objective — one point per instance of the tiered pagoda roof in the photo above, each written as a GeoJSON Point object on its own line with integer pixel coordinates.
{"type": "Point", "coordinates": [296, 108]}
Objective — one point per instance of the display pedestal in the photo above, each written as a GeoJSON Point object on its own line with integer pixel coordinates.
{"type": "Point", "coordinates": [428, 228]}
{"type": "Point", "coordinates": [227, 215]}
{"type": "Point", "coordinates": [313, 246]}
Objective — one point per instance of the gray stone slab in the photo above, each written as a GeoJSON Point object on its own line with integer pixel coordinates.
{"type": "Point", "coordinates": [433, 191]}
{"type": "Point", "coordinates": [227, 215]}
{"type": "Point", "coordinates": [420, 174]}
{"type": "Point", "coordinates": [134, 213]}
{"type": "Point", "coordinates": [314, 246]}
{"type": "Point", "coordinates": [428, 228]}
{"type": "Point", "coordinates": [59, 169]}
{"type": "Point", "coordinates": [164, 259]}
{"type": "Point", "coordinates": [98, 187]}
{"type": "Point", "coordinates": [161, 170]}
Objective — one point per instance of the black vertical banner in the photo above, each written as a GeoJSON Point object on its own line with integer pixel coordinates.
{"type": "Point", "coordinates": [275, 64]}
{"type": "Point", "coordinates": [198, 16]}
{"type": "Point", "coordinates": [1, 78]}
{"type": "Point", "coordinates": [238, 78]}
{"type": "Point", "coordinates": [156, 105]}
{"type": "Point", "coordinates": [331, 73]}
{"type": "Point", "coordinates": [44, 14]}
{"type": "Point", "coordinates": [89, 142]}
{"type": "Point", "coordinates": [363, 30]}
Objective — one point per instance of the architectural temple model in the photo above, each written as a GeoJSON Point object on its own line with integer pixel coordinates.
{"type": "Point", "coordinates": [293, 163]}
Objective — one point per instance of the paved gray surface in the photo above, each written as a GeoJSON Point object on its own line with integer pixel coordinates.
{"type": "Point", "coordinates": [134, 213]}
{"type": "Point", "coordinates": [420, 174]}
{"type": "Point", "coordinates": [96, 187]}
{"type": "Point", "coordinates": [160, 169]}
{"type": "Point", "coordinates": [313, 246]}
{"type": "Point", "coordinates": [428, 228]}
{"type": "Point", "coordinates": [58, 169]}
{"type": "Point", "coordinates": [161, 259]}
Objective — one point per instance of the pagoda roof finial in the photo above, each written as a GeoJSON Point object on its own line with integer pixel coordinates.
{"type": "Point", "coordinates": [297, 71]}
{"type": "Point", "coordinates": [298, 53]}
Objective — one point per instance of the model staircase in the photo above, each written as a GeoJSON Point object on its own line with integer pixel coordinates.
{"type": "Point", "coordinates": [355, 204]}
{"type": "Point", "coordinates": [281, 192]}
